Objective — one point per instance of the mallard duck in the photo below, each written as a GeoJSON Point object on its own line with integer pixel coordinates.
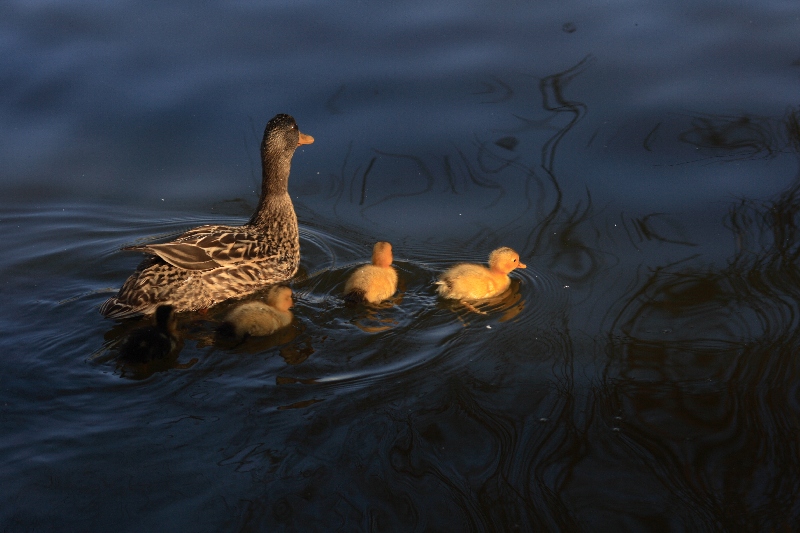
{"type": "Point", "coordinates": [148, 343]}
{"type": "Point", "coordinates": [469, 281]}
{"type": "Point", "coordinates": [209, 264]}
{"type": "Point", "coordinates": [375, 282]}
{"type": "Point", "coordinates": [258, 318]}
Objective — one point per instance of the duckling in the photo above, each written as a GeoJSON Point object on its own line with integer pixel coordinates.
{"type": "Point", "coordinates": [469, 281]}
{"type": "Point", "coordinates": [209, 264]}
{"type": "Point", "coordinates": [376, 282]}
{"type": "Point", "coordinates": [259, 318]}
{"type": "Point", "coordinates": [148, 343]}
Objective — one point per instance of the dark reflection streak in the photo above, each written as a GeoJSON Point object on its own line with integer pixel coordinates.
{"type": "Point", "coordinates": [792, 125]}
{"type": "Point", "coordinates": [592, 138]}
{"type": "Point", "coordinates": [551, 89]}
{"type": "Point", "coordinates": [483, 151]}
{"type": "Point", "coordinates": [485, 183]}
{"type": "Point", "coordinates": [339, 191]}
{"type": "Point", "coordinates": [448, 170]}
{"type": "Point", "coordinates": [330, 105]}
{"type": "Point", "coordinates": [429, 179]}
{"type": "Point", "coordinates": [353, 182]}
{"type": "Point", "coordinates": [634, 298]}
{"type": "Point", "coordinates": [364, 181]}
{"type": "Point", "coordinates": [624, 222]}
{"type": "Point", "coordinates": [646, 232]}
{"type": "Point", "coordinates": [408, 467]}
{"type": "Point", "coordinates": [738, 137]}
{"type": "Point", "coordinates": [562, 443]}
{"type": "Point", "coordinates": [503, 479]}
{"type": "Point", "coordinates": [490, 89]}
{"type": "Point", "coordinates": [650, 138]}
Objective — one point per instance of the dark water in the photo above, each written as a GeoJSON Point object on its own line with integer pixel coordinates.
{"type": "Point", "coordinates": [641, 375]}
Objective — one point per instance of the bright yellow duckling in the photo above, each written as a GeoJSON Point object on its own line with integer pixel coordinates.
{"type": "Point", "coordinates": [469, 281]}
{"type": "Point", "coordinates": [257, 318]}
{"type": "Point", "coordinates": [375, 282]}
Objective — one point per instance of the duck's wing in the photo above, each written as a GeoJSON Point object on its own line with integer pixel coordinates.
{"type": "Point", "coordinates": [209, 247]}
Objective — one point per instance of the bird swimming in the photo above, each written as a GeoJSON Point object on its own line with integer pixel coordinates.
{"type": "Point", "coordinates": [257, 318]}
{"type": "Point", "coordinates": [469, 281]}
{"type": "Point", "coordinates": [210, 264]}
{"type": "Point", "coordinates": [148, 343]}
{"type": "Point", "coordinates": [374, 282]}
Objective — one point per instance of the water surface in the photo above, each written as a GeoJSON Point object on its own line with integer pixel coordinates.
{"type": "Point", "coordinates": [641, 374]}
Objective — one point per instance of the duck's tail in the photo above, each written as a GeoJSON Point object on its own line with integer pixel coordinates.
{"type": "Point", "coordinates": [355, 296]}
{"type": "Point", "coordinates": [113, 308]}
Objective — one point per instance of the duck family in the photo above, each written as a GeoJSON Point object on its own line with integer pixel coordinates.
{"type": "Point", "coordinates": [210, 264]}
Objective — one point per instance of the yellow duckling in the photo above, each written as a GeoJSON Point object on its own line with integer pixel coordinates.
{"type": "Point", "coordinates": [376, 282]}
{"type": "Point", "coordinates": [148, 343]}
{"type": "Point", "coordinates": [259, 318]}
{"type": "Point", "coordinates": [469, 281]}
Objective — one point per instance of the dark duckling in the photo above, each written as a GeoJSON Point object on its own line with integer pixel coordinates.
{"type": "Point", "coordinates": [150, 343]}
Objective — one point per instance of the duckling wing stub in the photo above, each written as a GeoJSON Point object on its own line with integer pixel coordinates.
{"type": "Point", "coordinates": [182, 255]}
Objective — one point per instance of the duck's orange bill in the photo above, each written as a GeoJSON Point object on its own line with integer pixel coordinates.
{"type": "Point", "coordinates": [305, 139]}
{"type": "Point", "coordinates": [521, 265]}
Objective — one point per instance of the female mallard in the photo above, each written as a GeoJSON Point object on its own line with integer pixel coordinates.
{"type": "Point", "coordinates": [469, 281]}
{"type": "Point", "coordinates": [375, 282]}
{"type": "Point", "coordinates": [209, 264]}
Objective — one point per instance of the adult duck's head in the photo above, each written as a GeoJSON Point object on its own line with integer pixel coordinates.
{"type": "Point", "coordinates": [281, 139]}
{"type": "Point", "coordinates": [504, 260]}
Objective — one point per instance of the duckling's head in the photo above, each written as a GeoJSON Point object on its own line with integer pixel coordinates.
{"type": "Point", "coordinates": [382, 254]}
{"type": "Point", "coordinates": [504, 260]}
{"type": "Point", "coordinates": [280, 297]}
{"type": "Point", "coordinates": [165, 318]}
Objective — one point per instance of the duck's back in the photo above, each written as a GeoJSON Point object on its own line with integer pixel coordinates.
{"type": "Point", "coordinates": [372, 283]}
{"type": "Point", "coordinates": [257, 319]}
{"type": "Point", "coordinates": [471, 282]}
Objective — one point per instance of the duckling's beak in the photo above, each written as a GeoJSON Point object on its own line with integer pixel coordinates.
{"type": "Point", "coordinates": [521, 265]}
{"type": "Point", "coordinates": [305, 139]}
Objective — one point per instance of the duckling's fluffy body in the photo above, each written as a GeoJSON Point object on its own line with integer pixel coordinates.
{"type": "Point", "coordinates": [260, 318]}
{"type": "Point", "coordinates": [209, 264]}
{"type": "Point", "coordinates": [151, 342]}
{"type": "Point", "coordinates": [375, 282]}
{"type": "Point", "coordinates": [468, 281]}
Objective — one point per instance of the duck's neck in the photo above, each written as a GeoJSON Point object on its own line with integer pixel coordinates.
{"type": "Point", "coordinates": [274, 190]}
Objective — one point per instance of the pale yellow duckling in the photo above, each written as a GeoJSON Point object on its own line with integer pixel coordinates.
{"type": "Point", "coordinates": [469, 281]}
{"type": "Point", "coordinates": [258, 318]}
{"type": "Point", "coordinates": [376, 282]}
